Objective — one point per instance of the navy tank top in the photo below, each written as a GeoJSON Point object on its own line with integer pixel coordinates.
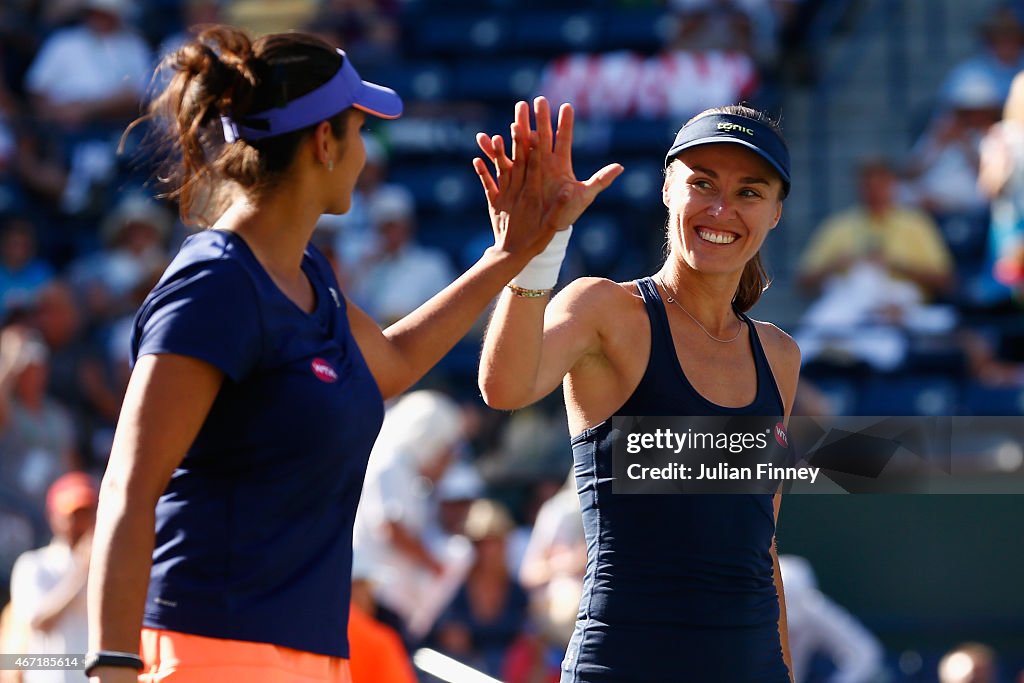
{"type": "Point", "coordinates": [678, 587]}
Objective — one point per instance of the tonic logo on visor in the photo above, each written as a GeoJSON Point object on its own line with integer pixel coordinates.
{"type": "Point", "coordinates": [323, 370]}
{"type": "Point", "coordinates": [734, 127]}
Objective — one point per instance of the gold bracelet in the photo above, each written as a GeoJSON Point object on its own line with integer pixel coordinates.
{"type": "Point", "coordinates": [529, 293]}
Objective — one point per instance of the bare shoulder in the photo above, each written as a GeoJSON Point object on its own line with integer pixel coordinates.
{"type": "Point", "coordinates": [783, 357]}
{"type": "Point", "coordinates": [597, 292]}
{"type": "Point", "coordinates": [595, 303]}
{"type": "Point", "coordinates": [778, 346]}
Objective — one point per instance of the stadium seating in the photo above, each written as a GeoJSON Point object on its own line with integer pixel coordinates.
{"type": "Point", "coordinates": [909, 395]}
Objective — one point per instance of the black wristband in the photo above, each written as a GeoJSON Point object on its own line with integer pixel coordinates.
{"type": "Point", "coordinates": [125, 660]}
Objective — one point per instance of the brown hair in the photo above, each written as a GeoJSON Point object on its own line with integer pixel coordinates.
{"type": "Point", "coordinates": [753, 283]}
{"type": "Point", "coordinates": [224, 73]}
{"type": "Point", "coordinates": [754, 280]}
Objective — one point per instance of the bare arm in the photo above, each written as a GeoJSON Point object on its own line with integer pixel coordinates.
{"type": "Point", "coordinates": [530, 346]}
{"type": "Point", "coordinates": [784, 358]}
{"type": "Point", "coordinates": [168, 398]}
{"type": "Point", "coordinates": [777, 573]}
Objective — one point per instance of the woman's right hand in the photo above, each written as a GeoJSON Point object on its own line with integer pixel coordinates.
{"type": "Point", "coordinates": [515, 193]}
{"type": "Point", "coordinates": [563, 197]}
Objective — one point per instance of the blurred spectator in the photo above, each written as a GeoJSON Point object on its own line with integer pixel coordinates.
{"type": "Point", "coordinates": [747, 26]}
{"type": "Point", "coordinates": [943, 168]}
{"type": "Point", "coordinates": [903, 242]}
{"type": "Point", "coordinates": [458, 488]}
{"type": "Point", "coordinates": [538, 492]}
{"type": "Point", "coordinates": [401, 274]}
{"type": "Point", "coordinates": [48, 584]}
{"type": "Point", "coordinates": [22, 274]}
{"type": "Point", "coordinates": [1002, 179]}
{"type": "Point", "coordinates": [87, 81]}
{"type": "Point", "coordinates": [118, 342]}
{"type": "Point", "coordinates": [416, 565]}
{"type": "Point", "coordinates": [818, 626]}
{"type": "Point", "coordinates": [54, 14]}
{"type": "Point", "coordinates": [876, 265]}
{"type": "Point", "coordinates": [1001, 55]}
{"type": "Point", "coordinates": [968, 663]}
{"type": "Point", "coordinates": [367, 28]}
{"type": "Point", "coordinates": [41, 172]}
{"type": "Point", "coordinates": [489, 612]}
{"type": "Point", "coordinates": [554, 565]}
{"type": "Point", "coordinates": [987, 359]}
{"type": "Point", "coordinates": [78, 374]}
{"type": "Point", "coordinates": [193, 13]}
{"type": "Point", "coordinates": [135, 238]}
{"type": "Point", "coordinates": [354, 233]}
{"type": "Point", "coordinates": [94, 72]}
{"type": "Point", "coordinates": [377, 652]}
{"type": "Point", "coordinates": [37, 437]}
{"type": "Point", "coordinates": [261, 17]}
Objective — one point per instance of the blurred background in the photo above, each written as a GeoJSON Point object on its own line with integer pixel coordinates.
{"type": "Point", "coordinates": [898, 266]}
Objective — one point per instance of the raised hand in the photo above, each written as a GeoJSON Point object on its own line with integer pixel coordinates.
{"type": "Point", "coordinates": [504, 189]}
{"type": "Point", "coordinates": [564, 198]}
{"type": "Point", "coordinates": [515, 195]}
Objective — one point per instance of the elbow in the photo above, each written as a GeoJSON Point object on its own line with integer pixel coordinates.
{"type": "Point", "coordinates": [501, 397]}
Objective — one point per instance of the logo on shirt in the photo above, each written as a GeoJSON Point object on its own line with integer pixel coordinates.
{"type": "Point", "coordinates": [324, 372]}
{"type": "Point", "coordinates": [334, 295]}
{"type": "Point", "coordinates": [781, 436]}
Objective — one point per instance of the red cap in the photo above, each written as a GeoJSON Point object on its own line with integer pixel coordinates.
{"type": "Point", "coordinates": [73, 491]}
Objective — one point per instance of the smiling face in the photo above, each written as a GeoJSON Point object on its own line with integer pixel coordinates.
{"type": "Point", "coordinates": [722, 200]}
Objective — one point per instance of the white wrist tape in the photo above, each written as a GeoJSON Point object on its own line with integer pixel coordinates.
{"type": "Point", "coordinates": [542, 270]}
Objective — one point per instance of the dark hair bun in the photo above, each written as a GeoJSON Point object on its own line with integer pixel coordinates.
{"type": "Point", "coordinates": [220, 64]}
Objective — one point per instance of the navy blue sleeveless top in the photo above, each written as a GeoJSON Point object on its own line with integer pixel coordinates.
{"type": "Point", "coordinates": [678, 587]}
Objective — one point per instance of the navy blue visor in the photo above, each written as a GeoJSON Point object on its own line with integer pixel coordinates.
{"type": "Point", "coordinates": [754, 135]}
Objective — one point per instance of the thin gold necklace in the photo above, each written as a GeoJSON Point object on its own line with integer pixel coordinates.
{"type": "Point", "coordinates": [673, 300]}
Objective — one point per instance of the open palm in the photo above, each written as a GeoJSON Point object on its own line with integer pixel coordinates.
{"type": "Point", "coordinates": [563, 197]}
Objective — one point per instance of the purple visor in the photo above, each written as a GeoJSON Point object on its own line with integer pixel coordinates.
{"type": "Point", "coordinates": [345, 89]}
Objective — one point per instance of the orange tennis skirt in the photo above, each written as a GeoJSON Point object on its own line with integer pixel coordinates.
{"type": "Point", "coordinates": [184, 658]}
